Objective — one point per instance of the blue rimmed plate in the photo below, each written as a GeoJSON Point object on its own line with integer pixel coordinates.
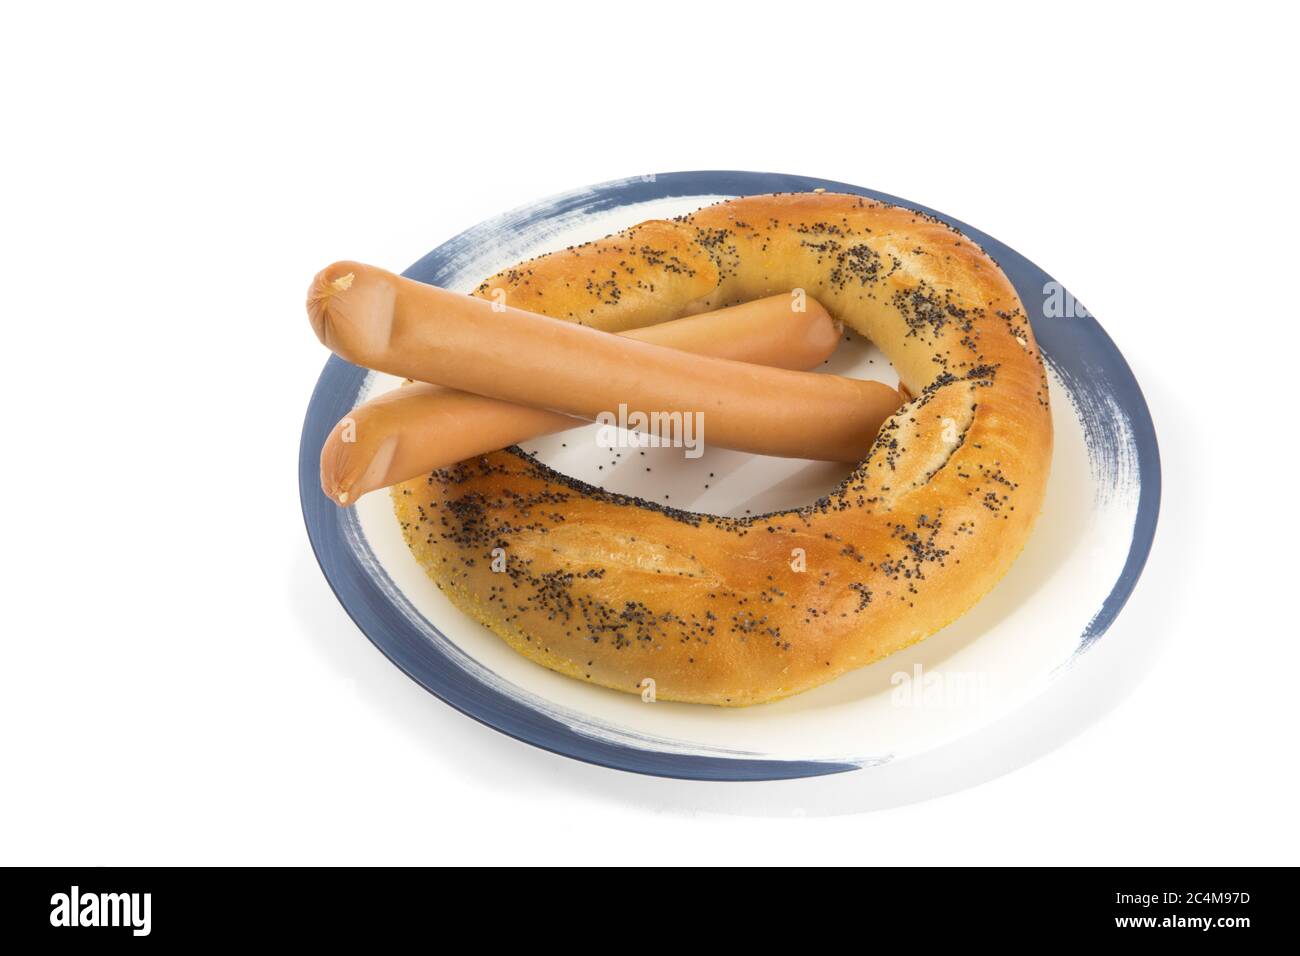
{"type": "Point", "coordinates": [1062, 595]}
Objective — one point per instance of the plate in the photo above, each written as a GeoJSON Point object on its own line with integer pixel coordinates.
{"type": "Point", "coordinates": [1079, 567]}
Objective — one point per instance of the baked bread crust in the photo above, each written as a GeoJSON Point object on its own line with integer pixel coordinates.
{"type": "Point", "coordinates": [614, 590]}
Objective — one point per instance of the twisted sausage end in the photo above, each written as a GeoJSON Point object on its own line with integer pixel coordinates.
{"type": "Point", "coordinates": [350, 307]}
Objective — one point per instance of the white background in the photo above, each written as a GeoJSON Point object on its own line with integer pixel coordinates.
{"type": "Point", "coordinates": [178, 684]}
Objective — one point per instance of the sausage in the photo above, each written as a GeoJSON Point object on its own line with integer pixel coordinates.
{"type": "Point", "coordinates": [417, 429]}
{"type": "Point", "coordinates": [374, 318]}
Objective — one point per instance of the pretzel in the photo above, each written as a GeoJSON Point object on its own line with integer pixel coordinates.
{"type": "Point", "coordinates": [629, 594]}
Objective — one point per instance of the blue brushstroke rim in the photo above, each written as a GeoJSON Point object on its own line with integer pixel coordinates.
{"type": "Point", "coordinates": [1078, 348]}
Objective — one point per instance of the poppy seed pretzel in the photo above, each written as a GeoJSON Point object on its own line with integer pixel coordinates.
{"type": "Point", "coordinates": [614, 590]}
